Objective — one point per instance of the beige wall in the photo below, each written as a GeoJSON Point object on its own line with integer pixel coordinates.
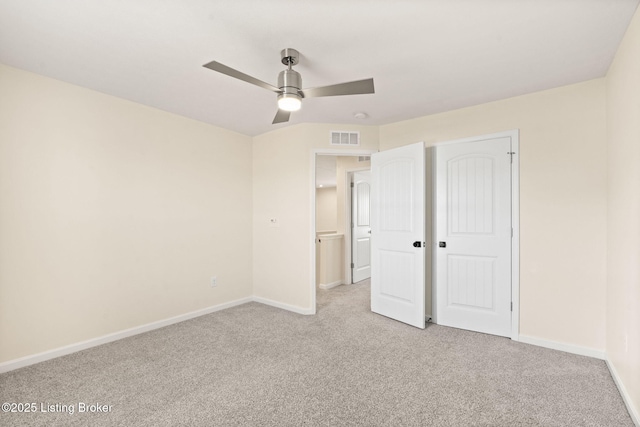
{"type": "Point", "coordinates": [623, 243]}
{"type": "Point", "coordinates": [112, 214]}
{"type": "Point", "coordinates": [282, 189]}
{"type": "Point", "coordinates": [562, 201]}
{"type": "Point", "coordinates": [326, 209]}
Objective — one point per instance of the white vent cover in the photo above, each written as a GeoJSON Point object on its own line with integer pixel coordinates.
{"type": "Point", "coordinates": [345, 138]}
{"type": "Point", "coordinates": [364, 158]}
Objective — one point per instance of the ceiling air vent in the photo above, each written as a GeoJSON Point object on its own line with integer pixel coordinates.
{"type": "Point", "coordinates": [350, 139]}
{"type": "Point", "coordinates": [364, 158]}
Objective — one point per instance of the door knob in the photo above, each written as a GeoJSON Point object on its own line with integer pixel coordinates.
{"type": "Point", "coordinates": [417, 244]}
{"type": "Point", "coordinates": [442, 244]}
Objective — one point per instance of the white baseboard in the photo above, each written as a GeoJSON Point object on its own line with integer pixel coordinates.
{"type": "Point", "coordinates": [330, 285]}
{"type": "Point", "coordinates": [293, 308]}
{"type": "Point", "coordinates": [633, 411]}
{"type": "Point", "coordinates": [569, 348]}
{"type": "Point", "coordinates": [94, 342]}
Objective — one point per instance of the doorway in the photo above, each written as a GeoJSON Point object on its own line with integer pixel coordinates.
{"type": "Point", "coordinates": [333, 173]}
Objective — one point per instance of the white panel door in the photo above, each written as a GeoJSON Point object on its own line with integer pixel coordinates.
{"type": "Point", "coordinates": [398, 234]}
{"type": "Point", "coordinates": [361, 226]}
{"type": "Point", "coordinates": [473, 237]}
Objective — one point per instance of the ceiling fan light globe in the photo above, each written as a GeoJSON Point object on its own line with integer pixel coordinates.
{"type": "Point", "coordinates": [289, 102]}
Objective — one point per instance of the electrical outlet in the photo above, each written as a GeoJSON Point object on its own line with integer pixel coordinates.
{"type": "Point", "coordinates": [214, 281]}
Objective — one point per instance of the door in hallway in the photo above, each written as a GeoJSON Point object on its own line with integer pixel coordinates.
{"type": "Point", "coordinates": [361, 226]}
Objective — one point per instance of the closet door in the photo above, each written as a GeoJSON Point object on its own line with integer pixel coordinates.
{"type": "Point", "coordinates": [474, 235]}
{"type": "Point", "coordinates": [398, 234]}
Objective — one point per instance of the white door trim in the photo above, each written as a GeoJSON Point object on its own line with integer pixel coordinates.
{"type": "Point", "coordinates": [515, 221]}
{"type": "Point", "coordinates": [312, 227]}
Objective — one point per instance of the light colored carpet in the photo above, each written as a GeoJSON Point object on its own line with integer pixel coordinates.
{"type": "Point", "coordinates": [258, 365]}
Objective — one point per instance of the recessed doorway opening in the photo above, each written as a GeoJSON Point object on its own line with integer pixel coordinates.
{"type": "Point", "coordinates": [332, 212]}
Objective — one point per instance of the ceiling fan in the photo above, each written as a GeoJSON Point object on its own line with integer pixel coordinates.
{"type": "Point", "coordinates": [289, 89]}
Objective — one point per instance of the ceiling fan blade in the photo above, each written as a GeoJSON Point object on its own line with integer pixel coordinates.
{"type": "Point", "coordinates": [358, 87]}
{"type": "Point", "coordinates": [281, 117]}
{"type": "Point", "coordinates": [221, 68]}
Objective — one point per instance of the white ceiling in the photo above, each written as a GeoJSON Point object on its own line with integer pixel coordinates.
{"type": "Point", "coordinates": [426, 56]}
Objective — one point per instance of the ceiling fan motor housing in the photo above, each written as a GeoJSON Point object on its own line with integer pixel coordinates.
{"type": "Point", "coordinates": [289, 82]}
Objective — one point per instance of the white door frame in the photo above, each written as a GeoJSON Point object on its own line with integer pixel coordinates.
{"type": "Point", "coordinates": [312, 192]}
{"type": "Point", "coordinates": [515, 221]}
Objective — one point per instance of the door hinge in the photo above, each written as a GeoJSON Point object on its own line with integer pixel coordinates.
{"type": "Point", "coordinates": [352, 265]}
{"type": "Point", "coordinates": [511, 153]}
{"type": "Point", "coordinates": [352, 185]}
{"type": "Point", "coordinates": [511, 305]}
{"type": "Point", "coordinates": [511, 231]}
